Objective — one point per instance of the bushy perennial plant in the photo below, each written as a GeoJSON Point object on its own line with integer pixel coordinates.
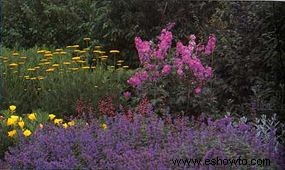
{"type": "Point", "coordinates": [171, 73]}
{"type": "Point", "coordinates": [145, 142]}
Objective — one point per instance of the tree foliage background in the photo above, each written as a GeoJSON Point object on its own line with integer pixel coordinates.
{"type": "Point", "coordinates": [249, 60]}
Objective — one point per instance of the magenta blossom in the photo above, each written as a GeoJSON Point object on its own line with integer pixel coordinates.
{"type": "Point", "coordinates": [144, 50]}
{"type": "Point", "coordinates": [138, 78]}
{"type": "Point", "coordinates": [166, 69]}
{"type": "Point", "coordinates": [165, 39]}
{"type": "Point", "coordinates": [127, 95]}
{"type": "Point", "coordinates": [197, 90]}
{"type": "Point", "coordinates": [209, 49]}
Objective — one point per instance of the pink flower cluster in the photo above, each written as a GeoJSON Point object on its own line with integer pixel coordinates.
{"type": "Point", "coordinates": [144, 50]}
{"type": "Point", "coordinates": [138, 78]}
{"type": "Point", "coordinates": [165, 40]}
{"type": "Point", "coordinates": [209, 49]}
{"type": "Point", "coordinates": [156, 63]}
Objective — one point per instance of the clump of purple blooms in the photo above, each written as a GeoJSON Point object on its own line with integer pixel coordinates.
{"type": "Point", "coordinates": [145, 142]}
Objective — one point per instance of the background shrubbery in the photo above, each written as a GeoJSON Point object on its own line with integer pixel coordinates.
{"type": "Point", "coordinates": [248, 62]}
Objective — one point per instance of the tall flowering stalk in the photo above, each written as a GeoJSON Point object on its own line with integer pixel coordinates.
{"type": "Point", "coordinates": [163, 66]}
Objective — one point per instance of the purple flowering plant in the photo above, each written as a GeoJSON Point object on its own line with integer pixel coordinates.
{"type": "Point", "coordinates": [168, 75]}
{"type": "Point", "coordinates": [145, 142]}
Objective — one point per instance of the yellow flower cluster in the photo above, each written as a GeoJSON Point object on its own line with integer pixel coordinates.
{"type": "Point", "coordinates": [17, 123]}
{"type": "Point", "coordinates": [71, 59]}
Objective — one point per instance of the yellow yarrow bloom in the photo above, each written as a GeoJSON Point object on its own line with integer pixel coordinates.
{"type": "Point", "coordinates": [15, 54]}
{"type": "Point", "coordinates": [12, 133]}
{"type": "Point", "coordinates": [86, 39]}
{"type": "Point", "coordinates": [12, 108]}
{"type": "Point", "coordinates": [75, 58]}
{"type": "Point", "coordinates": [114, 51]}
{"type": "Point", "coordinates": [66, 63]}
{"type": "Point", "coordinates": [50, 70]}
{"type": "Point", "coordinates": [32, 116]}
{"type": "Point", "coordinates": [13, 65]}
{"type": "Point", "coordinates": [55, 65]}
{"type": "Point", "coordinates": [27, 133]}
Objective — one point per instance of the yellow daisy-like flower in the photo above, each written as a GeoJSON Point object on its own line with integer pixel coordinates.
{"type": "Point", "coordinates": [11, 121]}
{"type": "Point", "coordinates": [32, 116]}
{"type": "Point", "coordinates": [104, 126]}
{"type": "Point", "coordinates": [65, 125]}
{"type": "Point", "coordinates": [21, 124]}
{"type": "Point", "coordinates": [12, 133]}
{"type": "Point", "coordinates": [71, 123]}
{"type": "Point", "coordinates": [27, 133]}
{"type": "Point", "coordinates": [12, 108]}
{"type": "Point", "coordinates": [58, 121]}
{"type": "Point", "coordinates": [51, 116]}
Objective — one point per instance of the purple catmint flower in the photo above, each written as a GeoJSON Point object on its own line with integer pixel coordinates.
{"type": "Point", "coordinates": [209, 49]}
{"type": "Point", "coordinates": [166, 69]}
{"type": "Point", "coordinates": [144, 142]}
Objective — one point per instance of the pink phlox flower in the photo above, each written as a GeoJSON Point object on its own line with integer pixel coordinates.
{"type": "Point", "coordinates": [165, 40]}
{"type": "Point", "coordinates": [166, 69]}
{"type": "Point", "coordinates": [144, 50]}
{"type": "Point", "coordinates": [197, 90]}
{"type": "Point", "coordinates": [209, 49]}
{"type": "Point", "coordinates": [138, 78]}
